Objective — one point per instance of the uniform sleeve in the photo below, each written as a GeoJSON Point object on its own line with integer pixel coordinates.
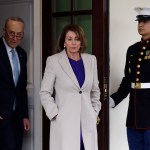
{"type": "Point", "coordinates": [47, 88]}
{"type": "Point", "coordinates": [125, 85]}
{"type": "Point", "coordinates": [95, 92]}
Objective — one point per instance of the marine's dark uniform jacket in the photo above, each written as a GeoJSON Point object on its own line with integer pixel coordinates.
{"type": "Point", "coordinates": [137, 70]}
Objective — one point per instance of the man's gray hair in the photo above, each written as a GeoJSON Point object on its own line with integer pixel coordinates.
{"type": "Point", "coordinates": [14, 18]}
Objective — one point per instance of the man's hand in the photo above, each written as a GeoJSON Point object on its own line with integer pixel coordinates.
{"type": "Point", "coordinates": [26, 124]}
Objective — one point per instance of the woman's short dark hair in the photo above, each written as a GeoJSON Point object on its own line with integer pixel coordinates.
{"type": "Point", "coordinates": [78, 31]}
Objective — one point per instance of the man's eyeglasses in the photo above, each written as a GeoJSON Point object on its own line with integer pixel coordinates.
{"type": "Point", "coordinates": [12, 34]}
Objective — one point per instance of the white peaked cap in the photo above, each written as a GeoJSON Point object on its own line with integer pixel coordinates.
{"type": "Point", "coordinates": [142, 11]}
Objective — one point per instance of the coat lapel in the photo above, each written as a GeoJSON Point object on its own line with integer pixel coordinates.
{"type": "Point", "coordinates": [6, 63]}
{"type": "Point", "coordinates": [64, 63]}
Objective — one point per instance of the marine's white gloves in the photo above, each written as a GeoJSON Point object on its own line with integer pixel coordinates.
{"type": "Point", "coordinates": [111, 103]}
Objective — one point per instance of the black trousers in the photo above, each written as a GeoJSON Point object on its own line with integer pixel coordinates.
{"type": "Point", "coordinates": [11, 133]}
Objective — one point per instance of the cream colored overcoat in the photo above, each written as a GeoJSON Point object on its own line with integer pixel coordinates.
{"type": "Point", "coordinates": [73, 108]}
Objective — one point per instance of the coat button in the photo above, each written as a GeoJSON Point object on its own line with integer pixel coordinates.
{"type": "Point", "coordinates": [80, 92]}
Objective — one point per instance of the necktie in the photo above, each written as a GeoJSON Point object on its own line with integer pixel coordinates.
{"type": "Point", "coordinates": [15, 71]}
{"type": "Point", "coordinates": [15, 66]}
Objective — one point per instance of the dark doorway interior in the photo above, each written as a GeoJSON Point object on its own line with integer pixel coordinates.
{"type": "Point", "coordinates": [100, 48]}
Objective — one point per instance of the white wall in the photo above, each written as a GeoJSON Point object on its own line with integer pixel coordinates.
{"type": "Point", "coordinates": [123, 33]}
{"type": "Point", "coordinates": [37, 26]}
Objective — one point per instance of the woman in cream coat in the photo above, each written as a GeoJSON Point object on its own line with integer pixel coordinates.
{"type": "Point", "coordinates": [71, 75]}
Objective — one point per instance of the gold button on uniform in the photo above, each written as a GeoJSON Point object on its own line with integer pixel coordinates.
{"type": "Point", "coordinates": [138, 72]}
{"type": "Point", "coordinates": [138, 66]}
{"type": "Point", "coordinates": [139, 59]}
{"type": "Point", "coordinates": [143, 47]}
{"type": "Point", "coordinates": [137, 79]}
{"type": "Point", "coordinates": [141, 53]}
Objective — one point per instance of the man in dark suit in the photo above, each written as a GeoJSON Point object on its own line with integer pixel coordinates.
{"type": "Point", "coordinates": [13, 81]}
{"type": "Point", "coordinates": [137, 82]}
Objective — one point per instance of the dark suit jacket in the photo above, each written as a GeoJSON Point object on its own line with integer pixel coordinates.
{"type": "Point", "coordinates": [139, 103]}
{"type": "Point", "coordinates": [8, 91]}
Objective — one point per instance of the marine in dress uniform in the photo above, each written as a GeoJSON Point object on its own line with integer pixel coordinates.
{"type": "Point", "coordinates": [137, 82]}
